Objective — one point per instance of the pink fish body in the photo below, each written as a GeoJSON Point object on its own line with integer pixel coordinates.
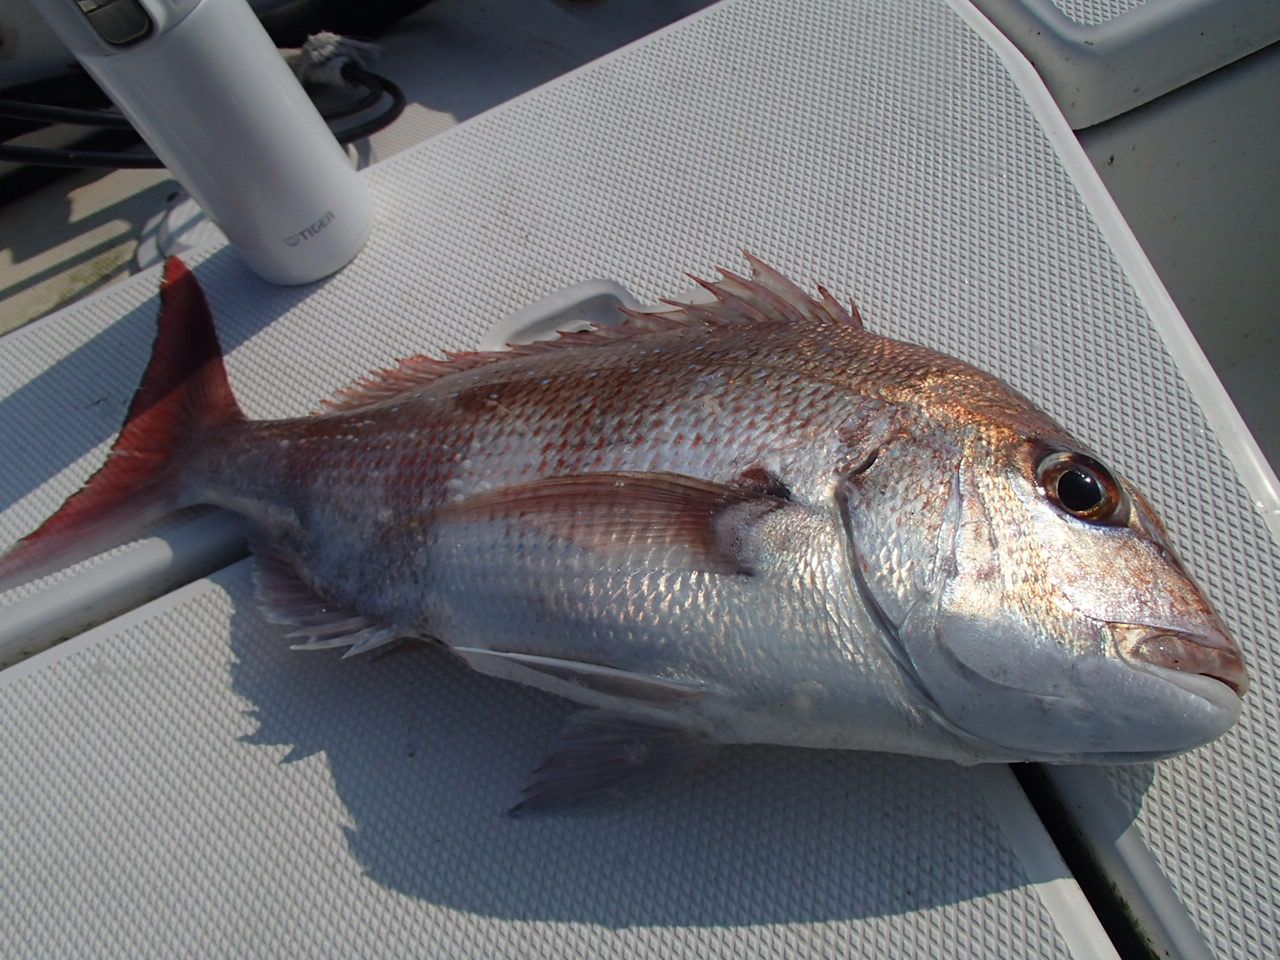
{"type": "Point", "coordinates": [748, 520]}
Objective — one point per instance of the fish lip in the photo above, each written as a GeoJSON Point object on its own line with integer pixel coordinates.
{"type": "Point", "coordinates": [1205, 664]}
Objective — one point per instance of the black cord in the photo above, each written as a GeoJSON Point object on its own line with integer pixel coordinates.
{"type": "Point", "coordinates": [43, 113]}
{"type": "Point", "coordinates": [375, 87]}
{"type": "Point", "coordinates": [382, 85]}
{"type": "Point", "coordinates": [113, 119]}
{"type": "Point", "coordinates": [372, 94]}
{"type": "Point", "coordinates": [49, 157]}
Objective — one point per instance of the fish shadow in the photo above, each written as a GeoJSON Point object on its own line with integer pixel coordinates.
{"type": "Point", "coordinates": [427, 756]}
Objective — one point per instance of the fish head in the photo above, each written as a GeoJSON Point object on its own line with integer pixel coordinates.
{"type": "Point", "coordinates": [1032, 602]}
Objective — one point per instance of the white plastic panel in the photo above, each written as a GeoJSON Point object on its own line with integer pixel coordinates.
{"type": "Point", "coordinates": [840, 140]}
{"type": "Point", "coordinates": [1102, 58]}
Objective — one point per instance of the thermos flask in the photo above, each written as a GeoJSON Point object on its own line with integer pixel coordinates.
{"type": "Point", "coordinates": [203, 85]}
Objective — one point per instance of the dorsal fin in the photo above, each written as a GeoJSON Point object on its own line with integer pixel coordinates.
{"type": "Point", "coordinates": [764, 297]}
{"type": "Point", "coordinates": [407, 375]}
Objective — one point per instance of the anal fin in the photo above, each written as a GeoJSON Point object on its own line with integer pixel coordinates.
{"type": "Point", "coordinates": [603, 757]}
{"type": "Point", "coordinates": [318, 623]}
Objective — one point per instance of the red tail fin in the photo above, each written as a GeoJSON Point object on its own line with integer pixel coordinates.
{"type": "Point", "coordinates": [184, 392]}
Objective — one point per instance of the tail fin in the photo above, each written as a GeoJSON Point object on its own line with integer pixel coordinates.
{"type": "Point", "coordinates": [183, 393]}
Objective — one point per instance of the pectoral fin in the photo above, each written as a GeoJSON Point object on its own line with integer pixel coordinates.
{"type": "Point", "coordinates": [697, 524]}
{"type": "Point", "coordinates": [603, 757]}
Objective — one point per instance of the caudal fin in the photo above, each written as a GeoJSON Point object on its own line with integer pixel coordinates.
{"type": "Point", "coordinates": [184, 392]}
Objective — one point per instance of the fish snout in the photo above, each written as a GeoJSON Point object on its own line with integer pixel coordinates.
{"type": "Point", "coordinates": [1211, 655]}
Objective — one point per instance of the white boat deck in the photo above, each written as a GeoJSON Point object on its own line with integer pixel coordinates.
{"type": "Point", "coordinates": [180, 782]}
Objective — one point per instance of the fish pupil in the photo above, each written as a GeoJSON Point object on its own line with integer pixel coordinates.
{"type": "Point", "coordinates": [1078, 491]}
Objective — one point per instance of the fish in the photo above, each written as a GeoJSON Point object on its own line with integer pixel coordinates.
{"type": "Point", "coordinates": [746, 519]}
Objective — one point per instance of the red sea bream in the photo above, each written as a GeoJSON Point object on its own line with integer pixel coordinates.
{"type": "Point", "coordinates": [749, 520]}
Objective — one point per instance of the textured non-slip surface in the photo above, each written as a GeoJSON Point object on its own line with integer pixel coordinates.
{"type": "Point", "coordinates": [275, 804]}
{"type": "Point", "coordinates": [845, 143]}
{"type": "Point", "coordinates": [1213, 823]}
{"type": "Point", "coordinates": [1091, 13]}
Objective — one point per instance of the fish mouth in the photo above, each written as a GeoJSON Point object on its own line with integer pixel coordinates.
{"type": "Point", "coordinates": [1202, 664]}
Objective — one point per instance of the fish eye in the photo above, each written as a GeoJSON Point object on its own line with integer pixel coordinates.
{"type": "Point", "coordinates": [1081, 486]}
